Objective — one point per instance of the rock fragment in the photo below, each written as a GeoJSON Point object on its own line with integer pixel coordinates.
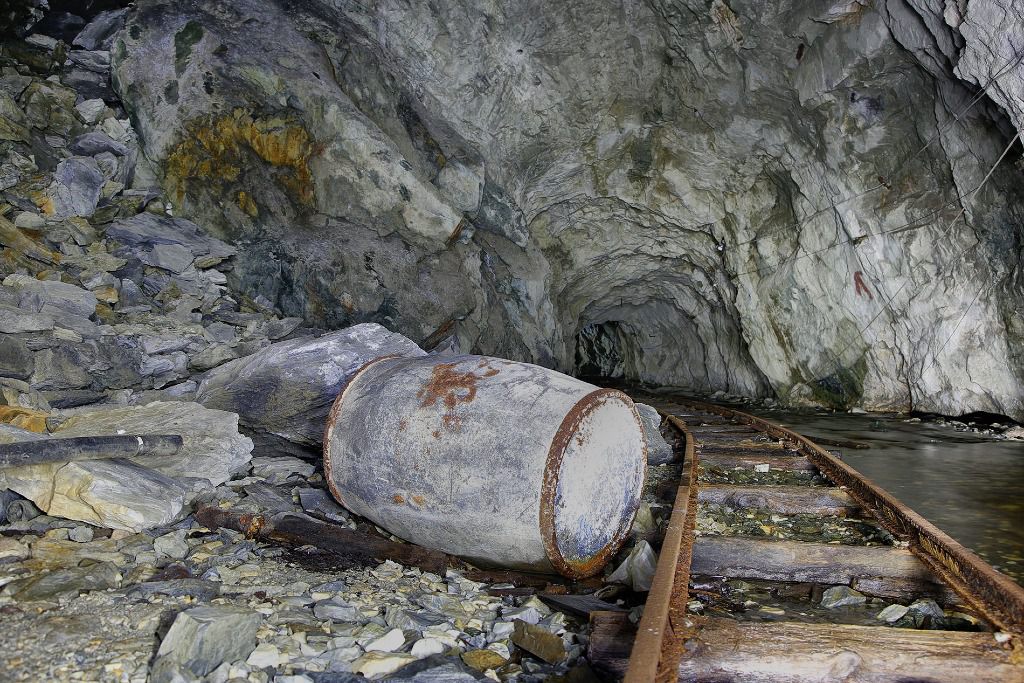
{"type": "Point", "coordinates": [840, 596]}
{"type": "Point", "coordinates": [376, 665]}
{"type": "Point", "coordinates": [539, 641]}
{"type": "Point", "coordinates": [892, 613]}
{"type": "Point", "coordinates": [200, 639]}
{"type": "Point", "coordinates": [659, 452]}
{"type": "Point", "coordinates": [76, 187]}
{"type": "Point", "coordinates": [125, 494]}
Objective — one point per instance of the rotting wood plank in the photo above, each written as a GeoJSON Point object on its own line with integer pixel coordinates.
{"type": "Point", "coordinates": [753, 439]}
{"type": "Point", "coordinates": [611, 640]}
{"type": "Point", "coordinates": [726, 429]}
{"type": "Point", "coordinates": [816, 500]}
{"type": "Point", "coordinates": [297, 530]}
{"type": "Point", "coordinates": [792, 652]}
{"type": "Point", "coordinates": [519, 579]}
{"type": "Point", "coordinates": [739, 557]}
{"type": "Point", "coordinates": [768, 448]}
{"type": "Point", "coordinates": [582, 605]}
{"type": "Point", "coordinates": [747, 461]}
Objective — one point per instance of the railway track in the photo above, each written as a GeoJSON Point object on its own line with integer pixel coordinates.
{"type": "Point", "coordinates": [768, 532]}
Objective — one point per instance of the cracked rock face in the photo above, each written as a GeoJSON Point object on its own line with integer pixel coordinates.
{"type": "Point", "coordinates": [783, 198]}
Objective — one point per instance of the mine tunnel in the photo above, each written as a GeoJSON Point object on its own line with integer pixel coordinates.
{"type": "Point", "coordinates": [467, 341]}
{"type": "Point", "coordinates": [602, 349]}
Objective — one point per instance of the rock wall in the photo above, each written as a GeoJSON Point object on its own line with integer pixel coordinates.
{"type": "Point", "coordinates": [761, 198]}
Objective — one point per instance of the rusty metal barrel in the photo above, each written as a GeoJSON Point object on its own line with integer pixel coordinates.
{"type": "Point", "coordinates": [502, 463]}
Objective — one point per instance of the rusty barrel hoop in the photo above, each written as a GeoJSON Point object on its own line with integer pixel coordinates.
{"type": "Point", "coordinates": [549, 522]}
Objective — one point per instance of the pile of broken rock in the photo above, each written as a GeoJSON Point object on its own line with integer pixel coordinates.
{"type": "Point", "coordinates": [117, 318]}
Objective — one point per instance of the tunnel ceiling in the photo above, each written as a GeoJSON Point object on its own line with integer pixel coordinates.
{"type": "Point", "coordinates": [766, 194]}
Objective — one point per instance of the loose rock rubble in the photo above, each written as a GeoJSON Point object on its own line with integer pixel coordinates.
{"type": "Point", "coordinates": [215, 606]}
{"type": "Point", "coordinates": [119, 317]}
{"type": "Point", "coordinates": [815, 603]}
{"type": "Point", "coordinates": [728, 521]}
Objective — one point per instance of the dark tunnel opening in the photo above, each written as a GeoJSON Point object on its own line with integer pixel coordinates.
{"type": "Point", "coordinates": [602, 350]}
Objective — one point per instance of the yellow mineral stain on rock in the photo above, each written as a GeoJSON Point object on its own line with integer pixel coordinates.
{"type": "Point", "coordinates": [218, 148]}
{"type": "Point", "coordinates": [44, 202]}
{"type": "Point", "coordinates": [107, 294]}
{"type": "Point", "coordinates": [25, 418]}
{"type": "Point", "coordinates": [483, 660]}
{"type": "Point", "coordinates": [246, 203]}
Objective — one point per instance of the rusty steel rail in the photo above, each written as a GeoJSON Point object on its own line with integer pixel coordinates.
{"type": "Point", "coordinates": [992, 594]}
{"type": "Point", "coordinates": [665, 625]}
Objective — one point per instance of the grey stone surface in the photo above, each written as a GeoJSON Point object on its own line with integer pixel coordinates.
{"type": "Point", "coordinates": [335, 611]}
{"type": "Point", "coordinates": [76, 187]}
{"type": "Point", "coordinates": [14, 320]}
{"type": "Point", "coordinates": [200, 639]}
{"type": "Point", "coordinates": [146, 491]}
{"type": "Point", "coordinates": [72, 580]}
{"type": "Point", "coordinates": [147, 230]}
{"type": "Point", "coordinates": [173, 257]}
{"type": "Point", "coordinates": [34, 294]}
{"type": "Point", "coordinates": [723, 190]}
{"type": "Point", "coordinates": [99, 33]}
{"type": "Point", "coordinates": [840, 596]}
{"type": "Point", "coordinates": [990, 56]}
{"type": "Point", "coordinates": [659, 451]}
{"type": "Point", "coordinates": [213, 450]}
{"type": "Point", "coordinates": [172, 545]}
{"type": "Point", "coordinates": [96, 142]}
{"type": "Point", "coordinates": [287, 388]}
{"type": "Point", "coordinates": [15, 358]}
{"type": "Point", "coordinates": [278, 469]}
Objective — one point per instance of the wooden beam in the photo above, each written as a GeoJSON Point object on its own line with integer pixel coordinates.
{"type": "Point", "coordinates": [611, 641]}
{"type": "Point", "coordinates": [795, 561]}
{"type": "Point", "coordinates": [787, 500]}
{"type": "Point", "coordinates": [797, 653]}
{"type": "Point", "coordinates": [793, 652]}
{"type": "Point", "coordinates": [582, 605]}
{"type": "Point", "coordinates": [719, 443]}
{"type": "Point", "coordinates": [747, 461]}
{"type": "Point", "coordinates": [298, 530]}
{"type": "Point", "coordinates": [703, 430]}
{"type": "Point", "coordinates": [891, 588]}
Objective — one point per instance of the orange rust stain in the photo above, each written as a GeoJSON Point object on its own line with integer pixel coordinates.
{"type": "Point", "coordinates": [436, 433]}
{"type": "Point", "coordinates": [398, 499]}
{"type": "Point", "coordinates": [419, 500]}
{"type": "Point", "coordinates": [403, 424]}
{"type": "Point", "coordinates": [452, 387]}
{"type": "Point", "coordinates": [217, 149]}
{"type": "Point", "coordinates": [247, 204]}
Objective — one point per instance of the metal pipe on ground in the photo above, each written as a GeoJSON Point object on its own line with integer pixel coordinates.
{"type": "Point", "coordinates": [501, 463]}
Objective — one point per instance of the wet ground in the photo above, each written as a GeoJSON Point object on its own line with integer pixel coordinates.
{"type": "Point", "coordinates": [969, 485]}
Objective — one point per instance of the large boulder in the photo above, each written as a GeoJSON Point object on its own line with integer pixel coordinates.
{"type": "Point", "coordinates": [287, 388]}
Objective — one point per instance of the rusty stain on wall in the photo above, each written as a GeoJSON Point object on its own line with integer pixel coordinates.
{"type": "Point", "coordinates": [217, 149]}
